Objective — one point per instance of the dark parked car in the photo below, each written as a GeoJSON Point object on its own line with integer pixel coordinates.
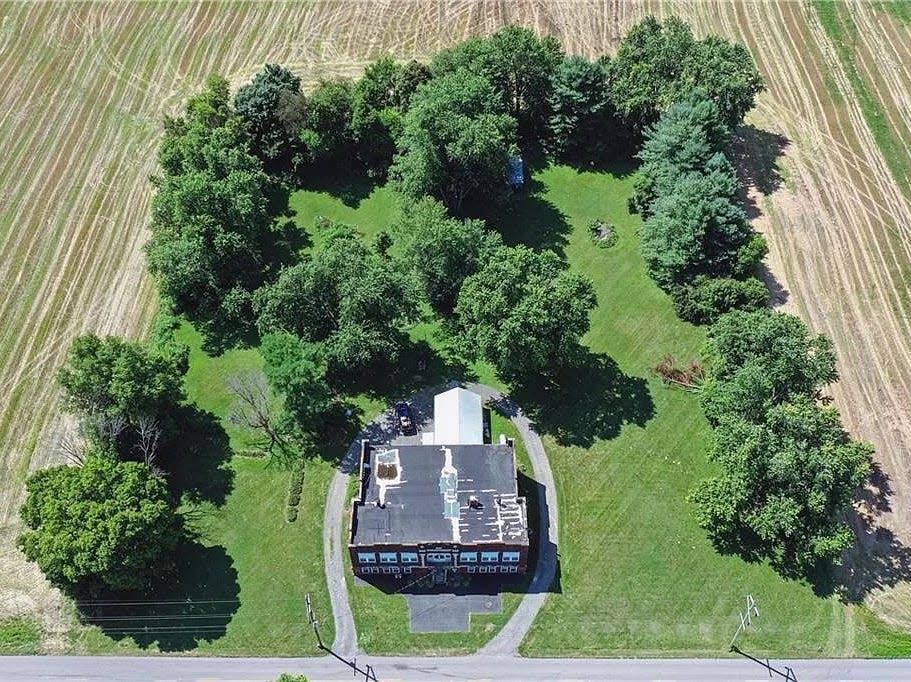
{"type": "Point", "coordinates": [404, 418]}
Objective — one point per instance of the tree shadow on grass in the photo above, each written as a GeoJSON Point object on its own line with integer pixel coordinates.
{"type": "Point", "coordinates": [530, 219]}
{"type": "Point", "coordinates": [350, 186]}
{"type": "Point", "coordinates": [181, 608]}
{"type": "Point", "coordinates": [590, 398]}
{"type": "Point", "coordinates": [197, 458]}
{"type": "Point", "coordinates": [419, 365]}
{"type": "Point", "coordinates": [283, 248]}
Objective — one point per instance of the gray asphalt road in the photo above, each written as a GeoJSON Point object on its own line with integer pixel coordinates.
{"type": "Point", "coordinates": [161, 669]}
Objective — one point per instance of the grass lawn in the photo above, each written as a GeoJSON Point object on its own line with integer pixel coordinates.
{"type": "Point", "coordinates": [20, 636]}
{"type": "Point", "coordinates": [637, 576]}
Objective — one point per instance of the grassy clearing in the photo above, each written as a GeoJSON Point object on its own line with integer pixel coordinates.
{"type": "Point", "coordinates": [20, 636]}
{"type": "Point", "coordinates": [836, 20]}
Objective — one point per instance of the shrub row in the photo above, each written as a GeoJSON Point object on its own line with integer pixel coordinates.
{"type": "Point", "coordinates": [295, 487]}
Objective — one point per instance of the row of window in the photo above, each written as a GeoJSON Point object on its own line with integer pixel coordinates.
{"type": "Point", "coordinates": [436, 557]}
{"type": "Point", "coordinates": [387, 558]}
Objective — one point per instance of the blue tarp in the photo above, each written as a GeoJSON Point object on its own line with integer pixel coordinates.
{"type": "Point", "coordinates": [516, 172]}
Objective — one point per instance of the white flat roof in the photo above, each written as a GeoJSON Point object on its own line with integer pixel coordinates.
{"type": "Point", "coordinates": [458, 418]}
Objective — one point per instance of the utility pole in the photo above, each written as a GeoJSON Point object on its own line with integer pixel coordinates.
{"type": "Point", "coordinates": [746, 620]}
{"type": "Point", "coordinates": [368, 673]}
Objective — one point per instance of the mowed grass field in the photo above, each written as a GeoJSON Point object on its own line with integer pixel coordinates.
{"type": "Point", "coordinates": [84, 87]}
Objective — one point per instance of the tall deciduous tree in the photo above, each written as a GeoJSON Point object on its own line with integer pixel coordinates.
{"type": "Point", "coordinates": [658, 64]}
{"type": "Point", "coordinates": [346, 296]}
{"type": "Point", "coordinates": [519, 65]}
{"type": "Point", "coordinates": [456, 142]}
{"type": "Point", "coordinates": [442, 250]}
{"type": "Point", "coordinates": [784, 488]}
{"type": "Point", "coordinates": [106, 524]}
{"type": "Point", "coordinates": [328, 134]}
{"type": "Point", "coordinates": [524, 312]}
{"type": "Point", "coordinates": [378, 104]}
{"type": "Point", "coordinates": [210, 222]}
{"type": "Point", "coordinates": [274, 111]}
{"type": "Point", "coordinates": [296, 370]}
{"type": "Point", "coordinates": [759, 359]}
{"type": "Point", "coordinates": [115, 377]}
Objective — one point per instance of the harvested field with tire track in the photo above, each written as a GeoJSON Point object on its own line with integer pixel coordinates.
{"type": "Point", "coordinates": [84, 86]}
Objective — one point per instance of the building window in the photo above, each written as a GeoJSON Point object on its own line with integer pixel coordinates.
{"type": "Point", "coordinates": [468, 557]}
{"type": "Point", "coordinates": [511, 557]}
{"type": "Point", "coordinates": [482, 569]}
{"type": "Point", "coordinates": [396, 569]}
{"type": "Point", "coordinates": [366, 557]}
{"type": "Point", "coordinates": [387, 570]}
{"type": "Point", "coordinates": [513, 569]}
{"type": "Point", "coordinates": [474, 569]}
{"type": "Point", "coordinates": [490, 557]}
{"type": "Point", "coordinates": [439, 558]}
{"type": "Point", "coordinates": [388, 557]}
{"type": "Point", "coordinates": [504, 569]}
{"type": "Point", "coordinates": [409, 557]}
{"type": "Point", "coordinates": [407, 569]}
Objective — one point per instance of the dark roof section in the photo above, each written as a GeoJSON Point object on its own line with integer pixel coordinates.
{"type": "Point", "coordinates": [423, 501]}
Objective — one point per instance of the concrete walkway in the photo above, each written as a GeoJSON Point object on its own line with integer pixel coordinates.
{"type": "Point", "coordinates": [383, 429]}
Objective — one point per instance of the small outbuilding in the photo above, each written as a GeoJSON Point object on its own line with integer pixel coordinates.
{"type": "Point", "coordinates": [458, 418]}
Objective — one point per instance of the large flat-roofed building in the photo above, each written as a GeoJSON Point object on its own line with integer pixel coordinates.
{"type": "Point", "coordinates": [446, 507]}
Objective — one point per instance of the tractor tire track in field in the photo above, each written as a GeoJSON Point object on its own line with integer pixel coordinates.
{"type": "Point", "coordinates": [83, 88]}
